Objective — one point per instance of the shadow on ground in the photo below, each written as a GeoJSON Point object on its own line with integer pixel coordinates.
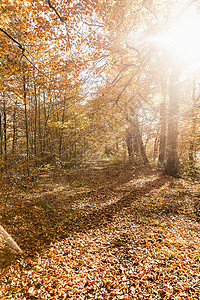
{"type": "Point", "coordinates": [39, 220]}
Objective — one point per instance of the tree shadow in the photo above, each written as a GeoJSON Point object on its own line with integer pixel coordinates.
{"type": "Point", "coordinates": [100, 217]}
{"type": "Point", "coordinates": [44, 221]}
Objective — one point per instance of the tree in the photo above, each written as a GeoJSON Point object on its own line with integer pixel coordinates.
{"type": "Point", "coordinates": [163, 126]}
{"type": "Point", "coordinates": [172, 163]}
{"type": "Point", "coordinates": [80, 76]}
{"type": "Point", "coordinates": [43, 56]}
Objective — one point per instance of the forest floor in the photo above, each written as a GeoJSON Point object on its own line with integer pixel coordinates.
{"type": "Point", "coordinates": [106, 232]}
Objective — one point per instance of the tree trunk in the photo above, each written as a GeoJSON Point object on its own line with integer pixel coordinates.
{"type": "Point", "coordinates": [14, 129]}
{"type": "Point", "coordinates": [134, 140]}
{"type": "Point", "coordinates": [39, 125]}
{"type": "Point", "coordinates": [61, 131]}
{"type": "Point", "coordinates": [172, 164]}
{"type": "Point", "coordinates": [26, 124]}
{"type": "Point", "coordinates": [191, 155]}
{"type": "Point", "coordinates": [192, 149]}
{"type": "Point", "coordinates": [1, 133]}
{"type": "Point", "coordinates": [1, 142]}
{"type": "Point", "coordinates": [138, 134]}
{"type": "Point", "coordinates": [35, 123]}
{"type": "Point", "coordinates": [163, 127]}
{"type": "Point", "coordinates": [143, 150]}
{"type": "Point", "coordinates": [155, 149]}
{"type": "Point", "coordinates": [5, 128]}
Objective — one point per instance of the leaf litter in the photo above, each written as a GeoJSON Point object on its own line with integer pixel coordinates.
{"type": "Point", "coordinates": [133, 239]}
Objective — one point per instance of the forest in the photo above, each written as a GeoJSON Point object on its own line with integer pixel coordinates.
{"type": "Point", "coordinates": [99, 149]}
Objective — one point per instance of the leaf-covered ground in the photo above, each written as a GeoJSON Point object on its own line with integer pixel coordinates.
{"type": "Point", "coordinates": [108, 233]}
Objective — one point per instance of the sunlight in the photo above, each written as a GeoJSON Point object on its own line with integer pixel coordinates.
{"type": "Point", "coordinates": [184, 37]}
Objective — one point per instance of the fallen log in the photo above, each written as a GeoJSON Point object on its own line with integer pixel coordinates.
{"type": "Point", "coordinates": [7, 240]}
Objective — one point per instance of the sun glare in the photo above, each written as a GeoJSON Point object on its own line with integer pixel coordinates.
{"type": "Point", "coordinates": [184, 37]}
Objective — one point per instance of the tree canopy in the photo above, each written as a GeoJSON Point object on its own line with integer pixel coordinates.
{"type": "Point", "coordinates": [84, 79]}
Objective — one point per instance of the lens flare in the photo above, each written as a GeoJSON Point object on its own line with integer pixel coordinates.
{"type": "Point", "coordinates": [184, 37]}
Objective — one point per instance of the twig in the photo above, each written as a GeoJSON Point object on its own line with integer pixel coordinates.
{"type": "Point", "coordinates": [62, 19]}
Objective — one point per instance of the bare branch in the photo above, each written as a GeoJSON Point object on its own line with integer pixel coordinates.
{"type": "Point", "coordinates": [132, 48]}
{"type": "Point", "coordinates": [126, 85]}
{"type": "Point", "coordinates": [62, 19]}
{"type": "Point", "coordinates": [90, 24]}
{"type": "Point", "coordinates": [22, 48]}
{"type": "Point", "coordinates": [14, 40]}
